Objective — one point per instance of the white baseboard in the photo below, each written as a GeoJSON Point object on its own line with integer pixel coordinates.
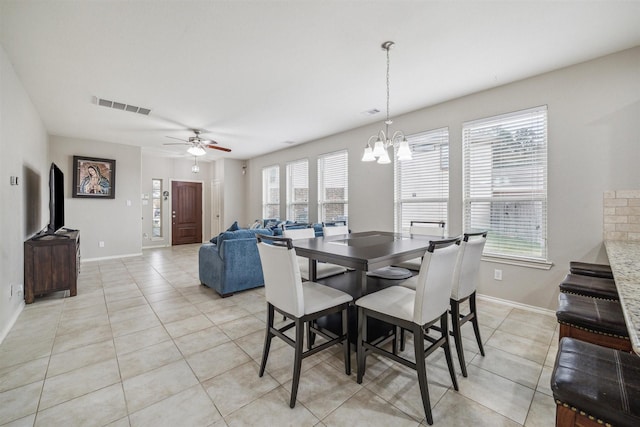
{"type": "Point", "coordinates": [156, 246]}
{"type": "Point", "coordinates": [518, 305]}
{"type": "Point", "coordinates": [110, 257]}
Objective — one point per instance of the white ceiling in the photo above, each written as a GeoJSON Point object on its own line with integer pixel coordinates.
{"type": "Point", "coordinates": [257, 74]}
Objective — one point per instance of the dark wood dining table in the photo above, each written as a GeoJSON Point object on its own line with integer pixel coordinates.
{"type": "Point", "coordinates": [362, 252]}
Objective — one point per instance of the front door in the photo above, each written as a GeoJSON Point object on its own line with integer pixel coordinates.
{"type": "Point", "coordinates": [186, 212]}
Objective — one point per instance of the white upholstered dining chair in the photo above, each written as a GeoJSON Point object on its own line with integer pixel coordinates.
{"type": "Point", "coordinates": [464, 284]}
{"type": "Point", "coordinates": [424, 228]}
{"type": "Point", "coordinates": [414, 310]}
{"type": "Point", "coordinates": [323, 269]}
{"type": "Point", "coordinates": [301, 302]}
{"type": "Point", "coordinates": [334, 230]}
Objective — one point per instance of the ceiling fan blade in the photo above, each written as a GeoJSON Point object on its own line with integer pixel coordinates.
{"type": "Point", "coordinates": [176, 143]}
{"type": "Point", "coordinates": [217, 147]}
{"type": "Point", "coordinates": [179, 139]}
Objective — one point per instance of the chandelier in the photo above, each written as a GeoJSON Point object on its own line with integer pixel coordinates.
{"type": "Point", "coordinates": [383, 139]}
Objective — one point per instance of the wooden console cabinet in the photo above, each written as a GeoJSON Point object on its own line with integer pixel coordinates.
{"type": "Point", "coordinates": [51, 263]}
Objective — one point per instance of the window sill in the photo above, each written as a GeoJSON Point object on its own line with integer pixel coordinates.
{"type": "Point", "coordinates": [540, 265]}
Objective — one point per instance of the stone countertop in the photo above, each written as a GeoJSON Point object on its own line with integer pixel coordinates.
{"type": "Point", "coordinates": [624, 258]}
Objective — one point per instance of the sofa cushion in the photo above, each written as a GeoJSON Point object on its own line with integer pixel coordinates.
{"type": "Point", "coordinates": [233, 227]}
{"type": "Point", "coordinates": [242, 234]}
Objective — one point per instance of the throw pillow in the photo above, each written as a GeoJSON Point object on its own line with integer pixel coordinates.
{"type": "Point", "coordinates": [234, 226]}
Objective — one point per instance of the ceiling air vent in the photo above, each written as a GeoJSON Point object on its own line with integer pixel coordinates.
{"type": "Point", "coordinates": [121, 106]}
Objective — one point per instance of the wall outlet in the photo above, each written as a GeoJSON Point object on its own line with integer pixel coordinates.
{"type": "Point", "coordinates": [101, 244]}
{"type": "Point", "coordinates": [497, 274]}
{"type": "Point", "coordinates": [17, 290]}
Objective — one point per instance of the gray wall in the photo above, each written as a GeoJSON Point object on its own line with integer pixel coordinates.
{"type": "Point", "coordinates": [116, 222]}
{"type": "Point", "coordinates": [25, 209]}
{"type": "Point", "coordinates": [594, 146]}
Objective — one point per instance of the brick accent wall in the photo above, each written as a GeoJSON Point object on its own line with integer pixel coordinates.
{"type": "Point", "coordinates": [622, 215]}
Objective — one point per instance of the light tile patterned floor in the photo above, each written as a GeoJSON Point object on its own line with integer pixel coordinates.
{"type": "Point", "coordinates": [143, 343]}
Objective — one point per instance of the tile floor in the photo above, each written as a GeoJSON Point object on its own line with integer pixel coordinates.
{"type": "Point", "coordinates": [143, 343]}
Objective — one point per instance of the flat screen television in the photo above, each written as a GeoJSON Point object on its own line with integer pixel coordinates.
{"type": "Point", "coordinates": [56, 199]}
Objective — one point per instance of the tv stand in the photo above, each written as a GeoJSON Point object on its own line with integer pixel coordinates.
{"type": "Point", "coordinates": [51, 263]}
{"type": "Point", "coordinates": [52, 235]}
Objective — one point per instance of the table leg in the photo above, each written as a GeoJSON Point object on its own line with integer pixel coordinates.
{"type": "Point", "coordinates": [362, 281]}
{"type": "Point", "coordinates": [313, 270]}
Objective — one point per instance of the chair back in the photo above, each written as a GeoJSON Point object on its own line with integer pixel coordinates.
{"type": "Point", "coordinates": [335, 230]}
{"type": "Point", "coordinates": [299, 233]}
{"type": "Point", "coordinates": [468, 264]}
{"type": "Point", "coordinates": [433, 288]}
{"type": "Point", "coordinates": [282, 281]}
{"type": "Point", "coordinates": [431, 228]}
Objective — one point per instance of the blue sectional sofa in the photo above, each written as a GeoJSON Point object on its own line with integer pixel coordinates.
{"type": "Point", "coordinates": [230, 262]}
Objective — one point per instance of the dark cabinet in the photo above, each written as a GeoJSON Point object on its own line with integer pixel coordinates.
{"type": "Point", "coordinates": [51, 263]}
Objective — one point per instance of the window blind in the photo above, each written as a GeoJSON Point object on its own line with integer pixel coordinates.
{"type": "Point", "coordinates": [271, 192]}
{"type": "Point", "coordinates": [298, 190]}
{"type": "Point", "coordinates": [505, 182]}
{"type": "Point", "coordinates": [333, 188]}
{"type": "Point", "coordinates": [422, 183]}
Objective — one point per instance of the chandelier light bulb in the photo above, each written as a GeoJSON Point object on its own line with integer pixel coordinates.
{"type": "Point", "coordinates": [368, 155]}
{"type": "Point", "coordinates": [384, 158]}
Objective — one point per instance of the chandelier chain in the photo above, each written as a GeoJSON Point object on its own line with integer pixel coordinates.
{"type": "Point", "coordinates": [388, 80]}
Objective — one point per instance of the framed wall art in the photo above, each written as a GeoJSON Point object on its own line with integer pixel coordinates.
{"type": "Point", "coordinates": [94, 178]}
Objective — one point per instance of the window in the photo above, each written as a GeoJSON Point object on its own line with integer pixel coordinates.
{"type": "Point", "coordinates": [505, 182]}
{"type": "Point", "coordinates": [156, 207]}
{"type": "Point", "coordinates": [271, 192]}
{"type": "Point", "coordinates": [298, 190]}
{"type": "Point", "coordinates": [333, 189]}
{"type": "Point", "coordinates": [422, 183]}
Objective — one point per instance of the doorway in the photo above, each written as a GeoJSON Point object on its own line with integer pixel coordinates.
{"type": "Point", "coordinates": [186, 212]}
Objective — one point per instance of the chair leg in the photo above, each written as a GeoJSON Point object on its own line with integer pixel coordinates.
{"type": "Point", "coordinates": [311, 337]}
{"type": "Point", "coordinates": [421, 368]}
{"type": "Point", "coordinates": [401, 339]}
{"type": "Point", "coordinates": [362, 335]}
{"type": "Point", "coordinates": [457, 335]}
{"type": "Point", "coordinates": [267, 338]}
{"type": "Point", "coordinates": [347, 342]}
{"type": "Point", "coordinates": [474, 322]}
{"type": "Point", "coordinates": [297, 363]}
{"type": "Point", "coordinates": [447, 349]}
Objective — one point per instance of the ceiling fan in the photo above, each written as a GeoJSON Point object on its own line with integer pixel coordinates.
{"type": "Point", "coordinates": [197, 144]}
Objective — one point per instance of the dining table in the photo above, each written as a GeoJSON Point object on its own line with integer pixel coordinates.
{"type": "Point", "coordinates": [361, 253]}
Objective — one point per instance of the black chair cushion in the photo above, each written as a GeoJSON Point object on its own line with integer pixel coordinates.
{"type": "Point", "coordinates": [589, 286]}
{"type": "Point", "coordinates": [594, 314]}
{"type": "Point", "coordinates": [588, 269]}
{"type": "Point", "coordinates": [600, 381]}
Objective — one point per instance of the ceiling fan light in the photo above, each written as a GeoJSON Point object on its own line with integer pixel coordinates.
{"type": "Point", "coordinates": [196, 151]}
{"type": "Point", "coordinates": [368, 155]}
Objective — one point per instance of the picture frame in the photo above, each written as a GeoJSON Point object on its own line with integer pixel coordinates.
{"type": "Point", "coordinates": [94, 178]}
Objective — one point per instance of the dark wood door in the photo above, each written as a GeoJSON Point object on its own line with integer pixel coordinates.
{"type": "Point", "coordinates": [186, 212]}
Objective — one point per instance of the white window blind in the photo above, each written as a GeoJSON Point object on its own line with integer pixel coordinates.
{"type": "Point", "coordinates": [505, 182]}
{"type": "Point", "coordinates": [271, 192]}
{"type": "Point", "coordinates": [298, 190]}
{"type": "Point", "coordinates": [333, 188]}
{"type": "Point", "coordinates": [422, 183]}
